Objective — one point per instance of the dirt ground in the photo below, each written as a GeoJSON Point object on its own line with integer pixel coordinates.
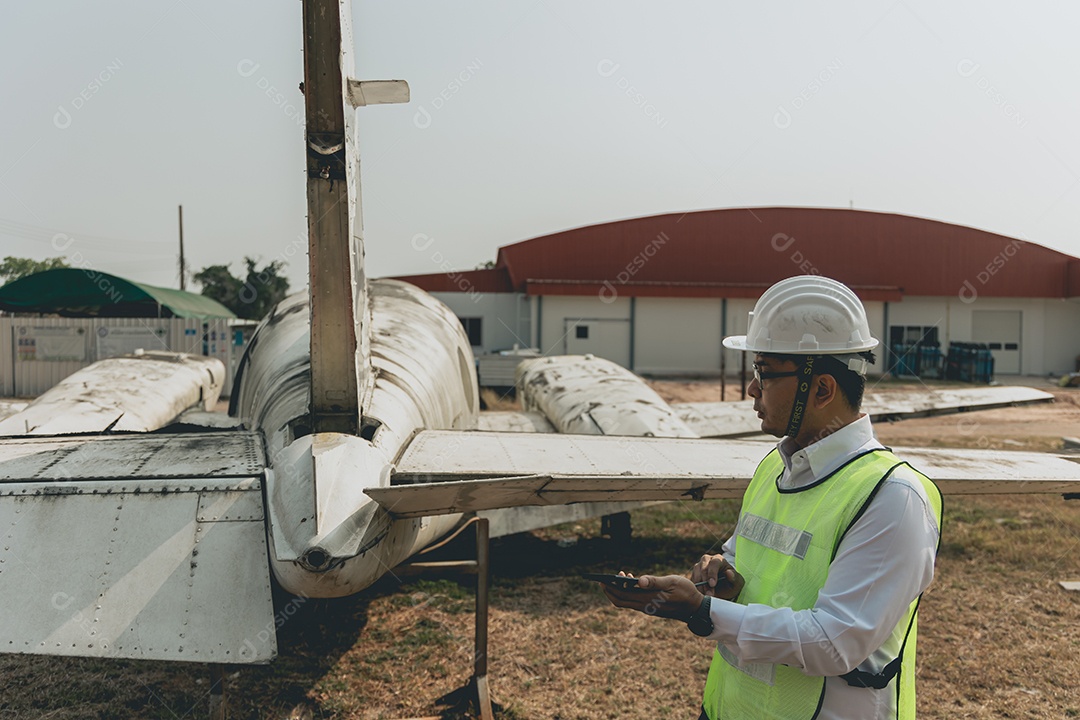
{"type": "Point", "coordinates": [998, 636]}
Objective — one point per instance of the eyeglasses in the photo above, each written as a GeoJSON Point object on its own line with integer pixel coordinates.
{"type": "Point", "coordinates": [759, 376]}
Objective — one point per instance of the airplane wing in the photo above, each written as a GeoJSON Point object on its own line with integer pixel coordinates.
{"type": "Point", "coordinates": [451, 472]}
{"type": "Point", "coordinates": [10, 407]}
{"type": "Point", "coordinates": [133, 393]}
{"type": "Point", "coordinates": [136, 546]}
{"type": "Point", "coordinates": [732, 419]}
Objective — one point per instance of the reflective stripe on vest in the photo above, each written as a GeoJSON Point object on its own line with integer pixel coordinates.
{"type": "Point", "coordinates": [786, 541]}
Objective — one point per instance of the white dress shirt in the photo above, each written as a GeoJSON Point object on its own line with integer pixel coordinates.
{"type": "Point", "coordinates": [883, 563]}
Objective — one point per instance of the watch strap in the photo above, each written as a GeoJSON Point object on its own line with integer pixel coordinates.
{"type": "Point", "coordinates": [700, 622]}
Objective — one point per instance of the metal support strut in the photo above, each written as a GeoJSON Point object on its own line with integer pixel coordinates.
{"type": "Point", "coordinates": [478, 683]}
{"type": "Point", "coordinates": [218, 706]}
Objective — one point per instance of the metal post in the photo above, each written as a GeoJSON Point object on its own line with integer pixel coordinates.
{"type": "Point", "coordinates": [723, 373]}
{"type": "Point", "coordinates": [483, 696]}
{"type": "Point", "coordinates": [742, 376]}
{"type": "Point", "coordinates": [183, 268]}
{"type": "Point", "coordinates": [218, 706]}
{"type": "Point", "coordinates": [723, 350]}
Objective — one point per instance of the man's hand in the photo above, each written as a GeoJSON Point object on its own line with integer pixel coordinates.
{"type": "Point", "coordinates": [723, 581]}
{"type": "Point", "coordinates": [670, 596]}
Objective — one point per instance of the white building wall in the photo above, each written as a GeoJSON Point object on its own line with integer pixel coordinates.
{"type": "Point", "coordinates": [505, 317]}
{"type": "Point", "coordinates": [916, 311]}
{"type": "Point", "coordinates": [7, 358]}
{"type": "Point", "coordinates": [875, 319]}
{"type": "Point", "coordinates": [561, 313]}
{"type": "Point", "coordinates": [738, 313]}
{"type": "Point", "coordinates": [1061, 335]}
{"type": "Point", "coordinates": [682, 335]}
{"type": "Point", "coordinates": [677, 335]}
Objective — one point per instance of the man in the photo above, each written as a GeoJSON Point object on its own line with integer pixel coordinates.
{"type": "Point", "coordinates": [812, 602]}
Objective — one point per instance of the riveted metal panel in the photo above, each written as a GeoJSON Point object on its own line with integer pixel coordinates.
{"type": "Point", "coordinates": [230, 506]}
{"type": "Point", "coordinates": [147, 547]}
{"type": "Point", "coordinates": [131, 457]}
{"type": "Point", "coordinates": [136, 575]}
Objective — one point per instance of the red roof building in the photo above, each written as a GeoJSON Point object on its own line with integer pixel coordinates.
{"type": "Point", "coordinates": [683, 280]}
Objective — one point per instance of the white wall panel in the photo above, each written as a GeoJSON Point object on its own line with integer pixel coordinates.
{"type": "Point", "coordinates": [557, 309]}
{"type": "Point", "coordinates": [677, 335]}
{"type": "Point", "coordinates": [608, 338]}
{"type": "Point", "coordinates": [1061, 336]}
{"type": "Point", "coordinates": [25, 375]}
{"type": "Point", "coordinates": [7, 359]}
{"type": "Point", "coordinates": [738, 313]}
{"type": "Point", "coordinates": [505, 317]}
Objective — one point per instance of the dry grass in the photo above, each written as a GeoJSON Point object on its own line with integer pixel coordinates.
{"type": "Point", "coordinates": [997, 630]}
{"type": "Point", "coordinates": [492, 400]}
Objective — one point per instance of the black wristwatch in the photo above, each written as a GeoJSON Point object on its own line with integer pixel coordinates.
{"type": "Point", "coordinates": [700, 622]}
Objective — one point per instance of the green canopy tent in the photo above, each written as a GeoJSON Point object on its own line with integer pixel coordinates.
{"type": "Point", "coordinates": [71, 292]}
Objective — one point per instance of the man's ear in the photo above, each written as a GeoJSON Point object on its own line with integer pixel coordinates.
{"type": "Point", "coordinates": [827, 390]}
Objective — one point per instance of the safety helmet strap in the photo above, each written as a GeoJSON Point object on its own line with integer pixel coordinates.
{"type": "Point", "coordinates": [802, 396]}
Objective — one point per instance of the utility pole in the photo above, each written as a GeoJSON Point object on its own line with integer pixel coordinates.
{"type": "Point", "coordinates": [182, 267]}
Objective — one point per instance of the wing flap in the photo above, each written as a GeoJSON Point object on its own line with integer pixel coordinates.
{"type": "Point", "coordinates": [436, 455]}
{"type": "Point", "coordinates": [494, 493]}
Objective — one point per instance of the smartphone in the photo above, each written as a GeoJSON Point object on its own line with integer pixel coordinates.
{"type": "Point", "coordinates": [620, 582]}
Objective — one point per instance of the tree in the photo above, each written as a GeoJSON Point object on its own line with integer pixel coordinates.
{"type": "Point", "coordinates": [251, 297]}
{"type": "Point", "coordinates": [13, 268]}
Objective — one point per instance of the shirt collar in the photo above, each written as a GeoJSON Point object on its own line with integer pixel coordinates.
{"type": "Point", "coordinates": [829, 453]}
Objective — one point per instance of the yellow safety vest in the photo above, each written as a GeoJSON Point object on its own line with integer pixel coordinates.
{"type": "Point", "coordinates": [786, 541]}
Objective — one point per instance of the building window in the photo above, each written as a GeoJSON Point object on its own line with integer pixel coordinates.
{"type": "Point", "coordinates": [913, 334]}
{"type": "Point", "coordinates": [581, 332]}
{"type": "Point", "coordinates": [473, 328]}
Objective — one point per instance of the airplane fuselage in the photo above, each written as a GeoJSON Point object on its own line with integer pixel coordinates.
{"type": "Point", "coordinates": [326, 537]}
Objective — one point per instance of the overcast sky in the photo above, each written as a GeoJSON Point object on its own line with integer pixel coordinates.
{"type": "Point", "coordinates": [528, 118]}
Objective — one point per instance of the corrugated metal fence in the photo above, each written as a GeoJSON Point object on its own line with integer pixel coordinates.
{"type": "Point", "coordinates": [37, 353]}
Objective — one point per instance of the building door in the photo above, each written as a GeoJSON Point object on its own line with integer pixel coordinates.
{"type": "Point", "coordinates": [607, 338]}
{"type": "Point", "coordinates": [1000, 331]}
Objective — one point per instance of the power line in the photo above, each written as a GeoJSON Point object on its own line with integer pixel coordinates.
{"type": "Point", "coordinates": [77, 239]}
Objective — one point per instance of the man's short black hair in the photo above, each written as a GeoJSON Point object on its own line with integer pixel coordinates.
{"type": "Point", "coordinates": [851, 384]}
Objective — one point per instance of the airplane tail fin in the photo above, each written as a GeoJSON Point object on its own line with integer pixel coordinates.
{"type": "Point", "coordinates": [340, 327]}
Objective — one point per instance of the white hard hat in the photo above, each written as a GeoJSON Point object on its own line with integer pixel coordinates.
{"type": "Point", "coordinates": [806, 315]}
